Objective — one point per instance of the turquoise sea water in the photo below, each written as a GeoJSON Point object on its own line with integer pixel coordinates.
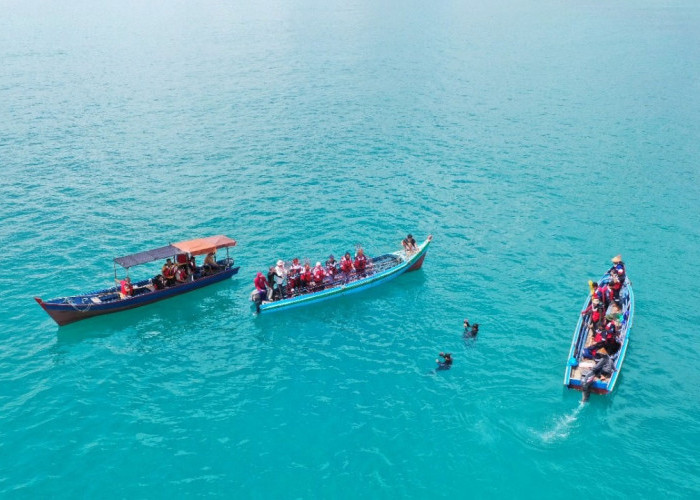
{"type": "Point", "coordinates": [534, 140]}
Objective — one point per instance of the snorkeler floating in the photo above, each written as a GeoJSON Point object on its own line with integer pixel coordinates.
{"type": "Point", "coordinates": [446, 362]}
{"type": "Point", "coordinates": [470, 331]}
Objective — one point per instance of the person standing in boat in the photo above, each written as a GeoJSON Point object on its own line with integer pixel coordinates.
{"type": "Point", "coordinates": [261, 287]}
{"type": "Point", "coordinates": [409, 244]}
{"type": "Point", "coordinates": [271, 283]}
{"type": "Point", "coordinates": [280, 279]}
{"type": "Point", "coordinates": [346, 266]}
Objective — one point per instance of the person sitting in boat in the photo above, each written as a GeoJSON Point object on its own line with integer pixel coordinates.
{"type": "Point", "coordinates": [168, 273]}
{"type": "Point", "coordinates": [615, 285]}
{"type": "Point", "coordinates": [280, 279]}
{"type": "Point", "coordinates": [293, 277]}
{"type": "Point", "coordinates": [607, 345]}
{"type": "Point", "coordinates": [409, 244]}
{"type": "Point", "coordinates": [618, 267]}
{"type": "Point", "coordinates": [446, 361]}
{"type": "Point", "coordinates": [346, 266]}
{"type": "Point", "coordinates": [331, 267]}
{"type": "Point", "coordinates": [317, 276]}
{"type": "Point", "coordinates": [595, 309]}
{"type": "Point", "coordinates": [127, 289]}
{"type": "Point", "coordinates": [181, 274]}
{"type": "Point", "coordinates": [210, 265]}
{"type": "Point", "coordinates": [605, 295]}
{"type": "Point", "coordinates": [360, 263]}
{"type": "Point", "coordinates": [261, 286]}
{"type": "Point", "coordinates": [306, 277]}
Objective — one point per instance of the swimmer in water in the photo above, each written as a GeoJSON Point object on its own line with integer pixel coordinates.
{"type": "Point", "coordinates": [470, 331]}
{"type": "Point", "coordinates": [446, 362]}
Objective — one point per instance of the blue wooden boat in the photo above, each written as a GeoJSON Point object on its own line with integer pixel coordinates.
{"type": "Point", "coordinates": [578, 367]}
{"type": "Point", "coordinates": [65, 310]}
{"type": "Point", "coordinates": [380, 270]}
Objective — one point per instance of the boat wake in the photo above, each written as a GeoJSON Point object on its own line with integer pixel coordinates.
{"type": "Point", "coordinates": [562, 426]}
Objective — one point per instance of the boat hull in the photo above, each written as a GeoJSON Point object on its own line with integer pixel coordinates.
{"type": "Point", "coordinates": [68, 310]}
{"type": "Point", "coordinates": [411, 263]}
{"type": "Point", "coordinates": [573, 374]}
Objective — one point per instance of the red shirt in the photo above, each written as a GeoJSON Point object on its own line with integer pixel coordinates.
{"type": "Point", "coordinates": [260, 283]}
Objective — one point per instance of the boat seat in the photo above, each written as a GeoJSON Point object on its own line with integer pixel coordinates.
{"type": "Point", "coordinates": [96, 300]}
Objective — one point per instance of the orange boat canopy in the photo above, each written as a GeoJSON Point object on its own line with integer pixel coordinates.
{"type": "Point", "coordinates": [205, 245]}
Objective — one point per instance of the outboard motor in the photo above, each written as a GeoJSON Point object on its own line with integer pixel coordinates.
{"type": "Point", "coordinates": [604, 366]}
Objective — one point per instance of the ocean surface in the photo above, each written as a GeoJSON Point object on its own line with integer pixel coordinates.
{"type": "Point", "coordinates": [534, 140]}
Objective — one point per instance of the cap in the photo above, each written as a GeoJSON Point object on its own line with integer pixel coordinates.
{"type": "Point", "coordinates": [318, 263]}
{"type": "Point", "coordinates": [280, 262]}
{"type": "Point", "coordinates": [617, 259]}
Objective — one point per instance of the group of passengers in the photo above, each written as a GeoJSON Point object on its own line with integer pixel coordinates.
{"type": "Point", "coordinates": [174, 273]}
{"type": "Point", "coordinates": [605, 313]}
{"type": "Point", "coordinates": [284, 281]}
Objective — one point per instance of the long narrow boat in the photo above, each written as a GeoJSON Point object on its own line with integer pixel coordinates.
{"type": "Point", "coordinates": [580, 374]}
{"type": "Point", "coordinates": [380, 270]}
{"type": "Point", "coordinates": [65, 310]}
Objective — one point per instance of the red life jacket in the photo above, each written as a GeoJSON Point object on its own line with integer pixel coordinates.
{"type": "Point", "coordinates": [345, 265]}
{"type": "Point", "coordinates": [305, 276]}
{"type": "Point", "coordinates": [360, 262]}
{"type": "Point", "coordinates": [604, 294]}
{"type": "Point", "coordinates": [319, 274]}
